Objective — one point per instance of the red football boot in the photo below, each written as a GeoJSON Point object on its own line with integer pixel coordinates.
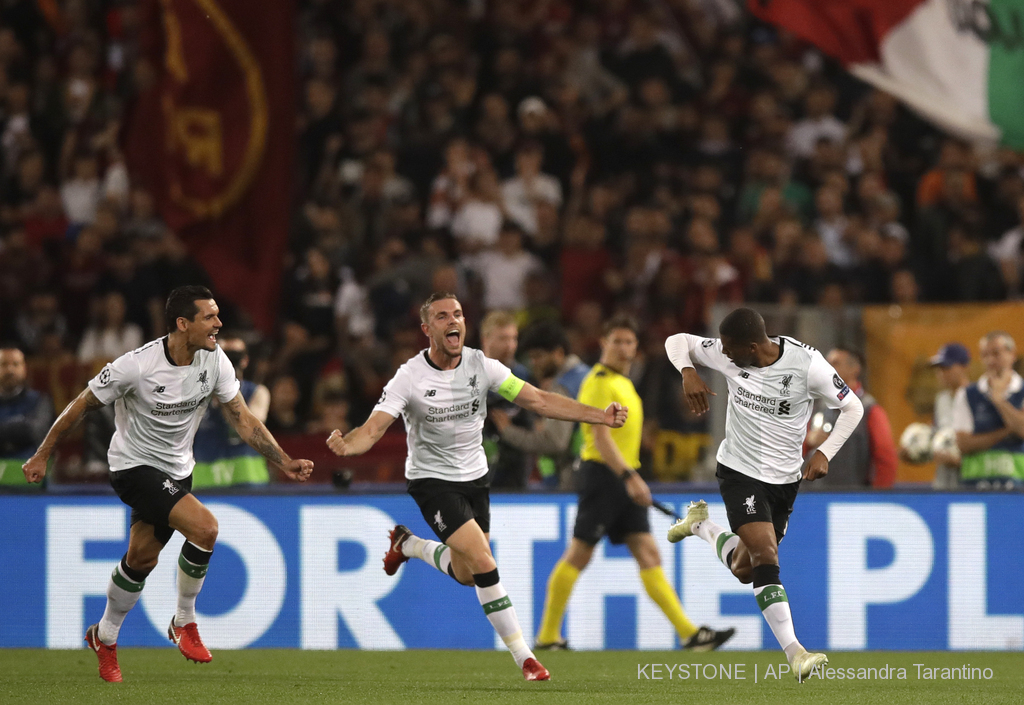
{"type": "Point", "coordinates": [109, 670]}
{"type": "Point", "coordinates": [394, 557]}
{"type": "Point", "coordinates": [189, 643]}
{"type": "Point", "coordinates": [534, 671]}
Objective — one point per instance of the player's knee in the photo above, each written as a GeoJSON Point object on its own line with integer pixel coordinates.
{"type": "Point", "coordinates": [142, 561]}
{"type": "Point", "coordinates": [205, 535]}
{"type": "Point", "coordinates": [764, 556]}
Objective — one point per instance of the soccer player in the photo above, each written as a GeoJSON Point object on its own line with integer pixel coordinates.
{"type": "Point", "coordinates": [441, 394]}
{"type": "Point", "coordinates": [614, 499]}
{"type": "Point", "coordinates": [772, 386]}
{"type": "Point", "coordinates": [160, 393]}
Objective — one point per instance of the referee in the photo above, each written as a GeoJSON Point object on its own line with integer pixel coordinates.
{"type": "Point", "coordinates": [613, 498]}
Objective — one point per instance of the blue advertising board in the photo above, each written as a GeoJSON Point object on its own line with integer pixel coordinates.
{"type": "Point", "coordinates": [863, 571]}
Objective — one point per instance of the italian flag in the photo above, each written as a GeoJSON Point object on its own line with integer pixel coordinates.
{"type": "Point", "coordinates": [959, 63]}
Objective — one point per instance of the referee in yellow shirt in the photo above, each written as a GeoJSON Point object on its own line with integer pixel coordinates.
{"type": "Point", "coordinates": [613, 498]}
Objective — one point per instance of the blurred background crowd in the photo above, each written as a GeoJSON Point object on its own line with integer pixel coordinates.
{"type": "Point", "coordinates": [558, 160]}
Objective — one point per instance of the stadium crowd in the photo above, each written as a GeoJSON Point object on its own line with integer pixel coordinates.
{"type": "Point", "coordinates": [561, 160]}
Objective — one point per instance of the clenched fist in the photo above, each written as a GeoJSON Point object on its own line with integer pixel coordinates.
{"type": "Point", "coordinates": [336, 442]}
{"type": "Point", "coordinates": [615, 415]}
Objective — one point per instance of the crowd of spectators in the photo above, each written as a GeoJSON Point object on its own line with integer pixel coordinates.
{"type": "Point", "coordinates": [557, 159]}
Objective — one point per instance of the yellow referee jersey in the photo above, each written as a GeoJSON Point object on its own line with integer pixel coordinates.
{"type": "Point", "coordinates": [600, 388]}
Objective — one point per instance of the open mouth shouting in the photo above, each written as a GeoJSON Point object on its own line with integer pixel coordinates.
{"type": "Point", "coordinates": [453, 336]}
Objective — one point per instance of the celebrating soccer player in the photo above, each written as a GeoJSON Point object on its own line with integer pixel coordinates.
{"type": "Point", "coordinates": [772, 385]}
{"type": "Point", "coordinates": [160, 393]}
{"type": "Point", "coordinates": [441, 394]}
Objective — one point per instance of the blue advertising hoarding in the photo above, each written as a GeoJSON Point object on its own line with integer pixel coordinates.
{"type": "Point", "coordinates": [863, 571]}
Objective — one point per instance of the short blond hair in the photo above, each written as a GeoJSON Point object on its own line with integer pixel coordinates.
{"type": "Point", "coordinates": [1000, 335]}
{"type": "Point", "coordinates": [436, 296]}
{"type": "Point", "coordinates": [494, 320]}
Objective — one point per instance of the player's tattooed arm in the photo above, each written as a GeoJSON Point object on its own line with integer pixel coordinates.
{"type": "Point", "coordinates": [35, 467]}
{"type": "Point", "coordinates": [251, 430]}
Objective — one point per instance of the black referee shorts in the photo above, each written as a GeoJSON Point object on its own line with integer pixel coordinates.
{"type": "Point", "coordinates": [605, 507]}
{"type": "Point", "coordinates": [748, 499]}
{"type": "Point", "coordinates": [151, 494]}
{"type": "Point", "coordinates": [447, 505]}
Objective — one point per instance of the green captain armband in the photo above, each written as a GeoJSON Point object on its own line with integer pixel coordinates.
{"type": "Point", "coordinates": [511, 387]}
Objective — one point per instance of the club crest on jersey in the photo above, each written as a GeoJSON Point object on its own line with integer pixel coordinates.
{"type": "Point", "coordinates": [441, 526]}
{"type": "Point", "coordinates": [749, 504]}
{"type": "Point", "coordinates": [171, 488]}
{"type": "Point", "coordinates": [786, 381]}
{"type": "Point", "coordinates": [203, 380]}
{"type": "Point", "coordinates": [473, 385]}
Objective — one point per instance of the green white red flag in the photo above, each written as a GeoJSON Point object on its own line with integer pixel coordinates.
{"type": "Point", "coordinates": [959, 63]}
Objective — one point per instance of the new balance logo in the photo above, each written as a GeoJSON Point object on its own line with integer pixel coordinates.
{"type": "Point", "coordinates": [441, 526]}
{"type": "Point", "coordinates": [159, 390]}
{"type": "Point", "coordinates": [745, 375]}
{"type": "Point", "coordinates": [749, 504]}
{"type": "Point", "coordinates": [171, 488]}
{"type": "Point", "coordinates": [784, 408]}
{"type": "Point", "coordinates": [430, 393]}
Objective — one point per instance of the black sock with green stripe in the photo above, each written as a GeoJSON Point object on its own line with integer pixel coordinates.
{"type": "Point", "coordinates": [501, 614]}
{"type": "Point", "coordinates": [774, 603]}
{"type": "Point", "coordinates": [193, 562]}
{"type": "Point", "coordinates": [123, 591]}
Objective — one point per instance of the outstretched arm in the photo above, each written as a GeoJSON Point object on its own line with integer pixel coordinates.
{"type": "Point", "coordinates": [251, 430]}
{"type": "Point", "coordinates": [35, 467]}
{"type": "Point", "coordinates": [556, 406]}
{"type": "Point", "coordinates": [361, 439]}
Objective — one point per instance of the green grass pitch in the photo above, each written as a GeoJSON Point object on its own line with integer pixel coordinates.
{"type": "Point", "coordinates": [283, 677]}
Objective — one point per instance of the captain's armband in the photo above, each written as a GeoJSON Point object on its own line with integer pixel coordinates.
{"type": "Point", "coordinates": [511, 387]}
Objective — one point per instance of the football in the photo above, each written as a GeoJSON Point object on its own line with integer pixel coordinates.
{"type": "Point", "coordinates": [944, 441]}
{"type": "Point", "coordinates": [916, 442]}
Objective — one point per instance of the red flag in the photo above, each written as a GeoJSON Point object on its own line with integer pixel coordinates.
{"type": "Point", "coordinates": [213, 137]}
{"type": "Point", "coordinates": [849, 30]}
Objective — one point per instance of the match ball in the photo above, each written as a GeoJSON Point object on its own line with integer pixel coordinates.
{"type": "Point", "coordinates": [916, 442]}
{"type": "Point", "coordinates": [944, 441]}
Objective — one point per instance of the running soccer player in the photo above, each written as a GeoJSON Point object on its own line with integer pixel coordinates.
{"type": "Point", "coordinates": [441, 394]}
{"type": "Point", "coordinates": [772, 386]}
{"type": "Point", "coordinates": [160, 393]}
{"type": "Point", "coordinates": [614, 499]}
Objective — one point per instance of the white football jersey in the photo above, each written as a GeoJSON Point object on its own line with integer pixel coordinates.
{"type": "Point", "coordinates": [444, 412]}
{"type": "Point", "coordinates": [768, 407]}
{"type": "Point", "coordinates": [158, 405]}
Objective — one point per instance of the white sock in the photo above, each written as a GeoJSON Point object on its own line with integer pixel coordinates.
{"type": "Point", "coordinates": [193, 563]}
{"type": "Point", "coordinates": [502, 616]}
{"type": "Point", "coordinates": [774, 606]}
{"type": "Point", "coordinates": [433, 553]}
{"type": "Point", "coordinates": [721, 539]}
{"type": "Point", "coordinates": [122, 594]}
